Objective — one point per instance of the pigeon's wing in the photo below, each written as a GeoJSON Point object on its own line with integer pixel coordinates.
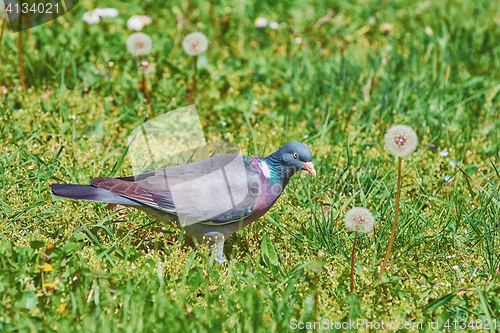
{"type": "Point", "coordinates": [217, 190]}
{"type": "Point", "coordinates": [128, 190]}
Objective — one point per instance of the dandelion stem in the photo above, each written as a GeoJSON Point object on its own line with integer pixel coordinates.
{"type": "Point", "coordinates": [396, 213]}
{"type": "Point", "coordinates": [144, 87]}
{"type": "Point", "coordinates": [28, 31]}
{"type": "Point", "coordinates": [352, 260]}
{"type": "Point", "coordinates": [241, 32]}
{"type": "Point", "coordinates": [213, 17]}
{"type": "Point", "coordinates": [4, 22]}
{"type": "Point", "coordinates": [20, 55]}
{"type": "Point", "coordinates": [194, 78]}
{"type": "Point", "coordinates": [316, 301]}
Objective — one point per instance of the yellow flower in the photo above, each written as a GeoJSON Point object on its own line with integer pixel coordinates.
{"type": "Point", "coordinates": [45, 267]}
{"type": "Point", "coordinates": [61, 309]}
{"type": "Point", "coordinates": [49, 285]}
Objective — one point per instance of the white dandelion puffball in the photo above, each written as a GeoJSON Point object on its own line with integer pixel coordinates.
{"type": "Point", "coordinates": [91, 18]}
{"type": "Point", "coordinates": [106, 12]}
{"type": "Point", "coordinates": [260, 22]}
{"type": "Point", "coordinates": [135, 23]}
{"type": "Point", "coordinates": [359, 219]}
{"type": "Point", "coordinates": [139, 44]}
{"type": "Point", "coordinates": [401, 140]}
{"type": "Point", "coordinates": [195, 43]}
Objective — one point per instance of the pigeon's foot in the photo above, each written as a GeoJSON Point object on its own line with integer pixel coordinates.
{"type": "Point", "coordinates": [220, 260]}
{"type": "Point", "coordinates": [218, 245]}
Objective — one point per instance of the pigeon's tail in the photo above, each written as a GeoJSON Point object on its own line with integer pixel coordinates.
{"type": "Point", "coordinates": [90, 193]}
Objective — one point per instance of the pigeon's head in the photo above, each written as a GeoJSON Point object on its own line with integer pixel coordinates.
{"type": "Point", "coordinates": [295, 156]}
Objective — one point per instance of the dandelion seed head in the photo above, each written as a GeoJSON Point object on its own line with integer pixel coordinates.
{"type": "Point", "coordinates": [139, 44]}
{"type": "Point", "coordinates": [91, 18]}
{"type": "Point", "coordinates": [195, 43]}
{"type": "Point", "coordinates": [401, 140]}
{"type": "Point", "coordinates": [359, 219]}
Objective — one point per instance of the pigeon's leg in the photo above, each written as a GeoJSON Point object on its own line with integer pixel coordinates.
{"type": "Point", "coordinates": [217, 239]}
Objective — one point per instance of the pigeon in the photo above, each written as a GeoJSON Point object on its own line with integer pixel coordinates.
{"type": "Point", "coordinates": [210, 199]}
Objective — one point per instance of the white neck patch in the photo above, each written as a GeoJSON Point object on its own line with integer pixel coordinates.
{"type": "Point", "coordinates": [265, 168]}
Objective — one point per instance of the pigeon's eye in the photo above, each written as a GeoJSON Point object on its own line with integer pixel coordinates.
{"type": "Point", "coordinates": [295, 155]}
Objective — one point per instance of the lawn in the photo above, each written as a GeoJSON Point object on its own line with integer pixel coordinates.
{"type": "Point", "coordinates": [333, 74]}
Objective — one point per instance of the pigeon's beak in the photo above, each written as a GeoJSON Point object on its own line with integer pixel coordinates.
{"type": "Point", "coordinates": [310, 167]}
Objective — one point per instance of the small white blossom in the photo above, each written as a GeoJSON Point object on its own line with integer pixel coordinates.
{"type": "Point", "coordinates": [386, 27]}
{"type": "Point", "coordinates": [298, 40]}
{"type": "Point", "coordinates": [274, 25]}
{"type": "Point", "coordinates": [452, 163]}
{"type": "Point", "coordinates": [455, 267]}
{"type": "Point", "coordinates": [195, 43]}
{"type": "Point", "coordinates": [401, 140]}
{"type": "Point", "coordinates": [135, 23]}
{"type": "Point", "coordinates": [139, 44]}
{"type": "Point", "coordinates": [359, 219]}
{"type": "Point", "coordinates": [146, 20]}
{"type": "Point", "coordinates": [371, 20]}
{"type": "Point", "coordinates": [447, 178]}
{"type": "Point", "coordinates": [147, 68]}
{"type": "Point", "coordinates": [260, 22]}
{"type": "Point", "coordinates": [73, 117]}
{"type": "Point", "coordinates": [106, 12]}
{"type": "Point", "coordinates": [91, 18]}
{"type": "Point", "coordinates": [444, 152]}
{"type": "Point", "coordinates": [429, 32]}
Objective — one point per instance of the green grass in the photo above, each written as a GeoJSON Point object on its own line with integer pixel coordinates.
{"type": "Point", "coordinates": [338, 91]}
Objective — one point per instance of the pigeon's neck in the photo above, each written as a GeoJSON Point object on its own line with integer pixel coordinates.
{"type": "Point", "coordinates": [273, 170]}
